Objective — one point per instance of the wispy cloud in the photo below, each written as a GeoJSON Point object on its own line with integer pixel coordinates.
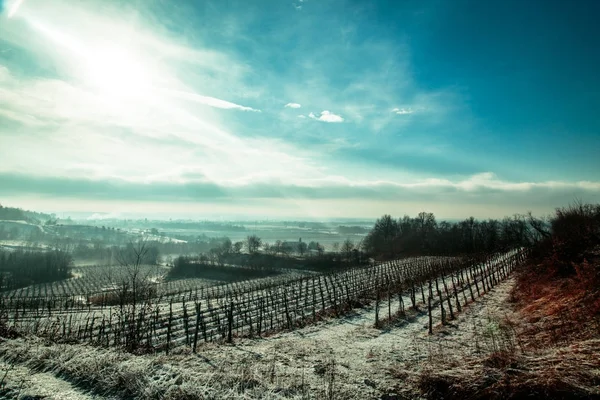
{"type": "Point", "coordinates": [293, 105]}
{"type": "Point", "coordinates": [326, 116]}
{"type": "Point", "coordinates": [209, 101]}
{"type": "Point", "coordinates": [403, 111]}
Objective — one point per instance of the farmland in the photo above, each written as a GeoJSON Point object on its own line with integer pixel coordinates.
{"type": "Point", "coordinates": [260, 320]}
{"type": "Point", "coordinates": [186, 313]}
{"type": "Point", "coordinates": [294, 336]}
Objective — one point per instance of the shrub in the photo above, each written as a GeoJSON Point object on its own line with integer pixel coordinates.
{"type": "Point", "coordinates": [575, 237]}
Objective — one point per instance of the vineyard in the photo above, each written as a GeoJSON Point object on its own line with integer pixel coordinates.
{"type": "Point", "coordinates": [188, 316]}
{"type": "Point", "coordinates": [98, 281]}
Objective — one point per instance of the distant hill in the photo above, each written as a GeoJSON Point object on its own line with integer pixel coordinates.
{"type": "Point", "coordinates": [17, 214]}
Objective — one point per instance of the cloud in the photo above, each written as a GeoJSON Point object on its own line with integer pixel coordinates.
{"type": "Point", "coordinates": [482, 195]}
{"type": "Point", "coordinates": [194, 186]}
{"type": "Point", "coordinates": [293, 105]}
{"type": "Point", "coordinates": [326, 116]}
{"type": "Point", "coordinates": [100, 216]}
{"type": "Point", "coordinates": [403, 111]}
{"type": "Point", "coordinates": [209, 101]}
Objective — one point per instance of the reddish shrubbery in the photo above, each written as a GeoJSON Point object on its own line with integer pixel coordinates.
{"type": "Point", "coordinates": [561, 284]}
{"type": "Point", "coordinates": [571, 250]}
{"type": "Point", "coordinates": [557, 299]}
{"type": "Point", "coordinates": [575, 238]}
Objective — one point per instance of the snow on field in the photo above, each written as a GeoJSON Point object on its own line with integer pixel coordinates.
{"type": "Point", "coordinates": [368, 361]}
{"type": "Point", "coordinates": [347, 356]}
{"type": "Point", "coordinates": [23, 383]}
{"type": "Point", "coordinates": [344, 358]}
{"type": "Point", "coordinates": [15, 245]}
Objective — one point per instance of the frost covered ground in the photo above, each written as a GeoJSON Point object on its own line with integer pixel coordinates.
{"type": "Point", "coordinates": [344, 358]}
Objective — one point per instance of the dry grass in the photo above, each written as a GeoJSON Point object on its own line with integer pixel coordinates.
{"type": "Point", "coordinates": [553, 350]}
{"type": "Point", "coordinates": [572, 372]}
{"type": "Point", "coordinates": [558, 313]}
{"type": "Point", "coordinates": [549, 348]}
{"type": "Point", "coordinates": [116, 374]}
{"type": "Point", "coordinates": [7, 331]}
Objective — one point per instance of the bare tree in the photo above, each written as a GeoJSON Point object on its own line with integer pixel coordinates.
{"type": "Point", "coordinates": [272, 249]}
{"type": "Point", "coordinates": [335, 247]}
{"type": "Point", "coordinates": [302, 247]}
{"type": "Point", "coordinates": [541, 226]}
{"type": "Point", "coordinates": [278, 247]}
{"type": "Point", "coordinates": [253, 243]}
{"type": "Point", "coordinates": [135, 290]}
{"type": "Point", "coordinates": [347, 248]}
{"type": "Point", "coordinates": [135, 280]}
{"type": "Point", "coordinates": [320, 250]}
{"type": "Point", "coordinates": [237, 247]}
{"type": "Point", "coordinates": [285, 249]}
{"type": "Point", "coordinates": [382, 239]}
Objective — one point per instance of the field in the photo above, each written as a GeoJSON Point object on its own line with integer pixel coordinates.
{"type": "Point", "coordinates": [191, 312]}
{"type": "Point", "coordinates": [350, 335]}
{"type": "Point", "coordinates": [91, 281]}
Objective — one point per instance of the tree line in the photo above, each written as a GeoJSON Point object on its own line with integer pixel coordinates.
{"type": "Point", "coordinates": [17, 214]}
{"type": "Point", "coordinates": [99, 251]}
{"type": "Point", "coordinates": [423, 235]}
{"type": "Point", "coordinates": [255, 253]}
{"type": "Point", "coordinates": [22, 268]}
{"type": "Point", "coordinates": [201, 267]}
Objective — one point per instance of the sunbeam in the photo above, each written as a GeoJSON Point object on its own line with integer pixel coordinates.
{"type": "Point", "coordinates": [14, 8]}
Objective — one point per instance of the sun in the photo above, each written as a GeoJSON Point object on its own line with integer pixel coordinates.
{"type": "Point", "coordinates": [117, 72]}
{"type": "Point", "coordinates": [107, 68]}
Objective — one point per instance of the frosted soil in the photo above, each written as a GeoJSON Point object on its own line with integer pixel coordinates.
{"type": "Point", "coordinates": [343, 358]}
{"type": "Point", "coordinates": [24, 383]}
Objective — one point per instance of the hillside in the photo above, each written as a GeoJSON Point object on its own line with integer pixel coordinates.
{"type": "Point", "coordinates": [501, 327]}
{"type": "Point", "coordinates": [17, 214]}
{"type": "Point", "coordinates": [545, 338]}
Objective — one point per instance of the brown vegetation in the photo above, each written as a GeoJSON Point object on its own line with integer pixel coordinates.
{"type": "Point", "coordinates": [551, 348]}
{"type": "Point", "coordinates": [558, 294]}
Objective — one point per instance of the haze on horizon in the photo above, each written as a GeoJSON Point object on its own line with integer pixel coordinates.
{"type": "Point", "coordinates": [299, 108]}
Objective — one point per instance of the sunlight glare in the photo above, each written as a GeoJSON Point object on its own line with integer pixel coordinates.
{"type": "Point", "coordinates": [58, 37]}
{"type": "Point", "coordinates": [13, 9]}
{"type": "Point", "coordinates": [110, 70]}
{"type": "Point", "coordinates": [117, 72]}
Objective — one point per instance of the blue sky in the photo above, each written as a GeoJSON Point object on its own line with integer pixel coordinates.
{"type": "Point", "coordinates": [299, 108]}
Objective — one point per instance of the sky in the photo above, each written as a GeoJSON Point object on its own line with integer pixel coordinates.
{"type": "Point", "coordinates": [299, 108]}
